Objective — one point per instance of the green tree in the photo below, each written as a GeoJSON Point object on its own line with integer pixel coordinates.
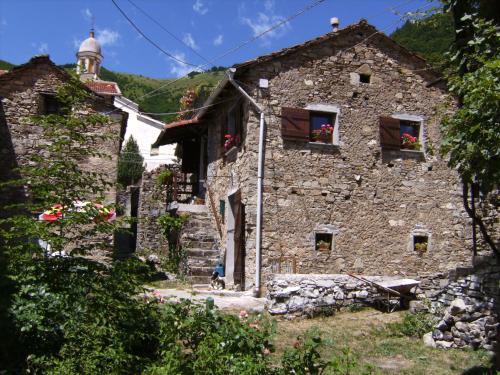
{"type": "Point", "coordinates": [131, 163]}
{"type": "Point", "coordinates": [471, 136]}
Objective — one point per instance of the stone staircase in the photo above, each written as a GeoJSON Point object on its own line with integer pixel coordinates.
{"type": "Point", "coordinates": [200, 241]}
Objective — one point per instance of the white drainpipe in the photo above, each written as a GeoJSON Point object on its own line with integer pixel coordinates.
{"type": "Point", "coordinates": [260, 173]}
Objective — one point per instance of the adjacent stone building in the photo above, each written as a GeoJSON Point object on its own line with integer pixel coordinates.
{"type": "Point", "coordinates": [30, 90]}
{"type": "Point", "coordinates": [352, 176]}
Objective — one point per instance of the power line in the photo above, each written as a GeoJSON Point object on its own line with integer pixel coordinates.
{"type": "Point", "coordinates": [168, 31]}
{"type": "Point", "coordinates": [275, 26]}
{"type": "Point", "coordinates": [148, 39]}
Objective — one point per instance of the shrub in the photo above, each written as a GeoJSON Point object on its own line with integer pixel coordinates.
{"type": "Point", "coordinates": [413, 325]}
{"type": "Point", "coordinates": [130, 164]}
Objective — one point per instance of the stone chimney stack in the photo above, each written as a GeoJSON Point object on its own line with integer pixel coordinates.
{"type": "Point", "coordinates": [334, 21]}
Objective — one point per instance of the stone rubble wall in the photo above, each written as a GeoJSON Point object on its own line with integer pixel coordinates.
{"type": "Point", "coordinates": [469, 298]}
{"type": "Point", "coordinates": [297, 294]}
{"type": "Point", "coordinates": [152, 204]}
{"type": "Point", "coordinates": [372, 200]}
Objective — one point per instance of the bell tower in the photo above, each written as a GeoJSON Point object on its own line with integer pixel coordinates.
{"type": "Point", "coordinates": [89, 58]}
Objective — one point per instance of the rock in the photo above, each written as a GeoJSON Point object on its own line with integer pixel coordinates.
{"type": "Point", "coordinates": [442, 326]}
{"type": "Point", "coordinates": [457, 307]}
{"type": "Point", "coordinates": [444, 344]}
{"type": "Point", "coordinates": [428, 340]}
{"type": "Point", "coordinates": [418, 306]}
{"type": "Point", "coordinates": [437, 334]}
{"type": "Point", "coordinates": [462, 327]}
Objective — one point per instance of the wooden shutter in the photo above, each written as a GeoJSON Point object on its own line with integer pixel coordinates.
{"type": "Point", "coordinates": [389, 133]}
{"type": "Point", "coordinates": [295, 124]}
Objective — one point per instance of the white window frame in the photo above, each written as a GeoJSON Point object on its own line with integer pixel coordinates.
{"type": "Point", "coordinates": [328, 108]}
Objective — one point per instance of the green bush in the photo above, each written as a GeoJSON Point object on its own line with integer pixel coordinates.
{"type": "Point", "coordinates": [413, 325]}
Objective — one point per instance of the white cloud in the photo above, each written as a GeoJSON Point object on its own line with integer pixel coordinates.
{"type": "Point", "coordinates": [87, 14]}
{"type": "Point", "coordinates": [198, 7]}
{"type": "Point", "coordinates": [178, 68]}
{"type": "Point", "coordinates": [189, 40]}
{"type": "Point", "coordinates": [43, 48]}
{"type": "Point", "coordinates": [107, 37]}
{"type": "Point", "coordinates": [218, 40]}
{"type": "Point", "coordinates": [269, 5]}
{"type": "Point", "coordinates": [77, 42]}
{"type": "Point", "coordinates": [264, 22]}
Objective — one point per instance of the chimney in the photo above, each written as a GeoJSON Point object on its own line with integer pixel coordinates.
{"type": "Point", "coordinates": [334, 21]}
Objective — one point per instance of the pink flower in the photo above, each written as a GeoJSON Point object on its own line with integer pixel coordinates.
{"type": "Point", "coordinates": [243, 314]}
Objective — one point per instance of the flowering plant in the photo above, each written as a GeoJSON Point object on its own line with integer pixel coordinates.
{"type": "Point", "coordinates": [323, 134]}
{"type": "Point", "coordinates": [409, 141]}
{"type": "Point", "coordinates": [230, 141]}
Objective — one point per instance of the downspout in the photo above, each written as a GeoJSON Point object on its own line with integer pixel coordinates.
{"type": "Point", "coordinates": [260, 173]}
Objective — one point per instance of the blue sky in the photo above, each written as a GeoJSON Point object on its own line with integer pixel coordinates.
{"type": "Point", "coordinates": [210, 27]}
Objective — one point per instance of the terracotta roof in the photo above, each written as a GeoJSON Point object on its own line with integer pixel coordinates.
{"type": "Point", "coordinates": [176, 124]}
{"type": "Point", "coordinates": [178, 130]}
{"type": "Point", "coordinates": [2, 71]}
{"type": "Point", "coordinates": [104, 87]}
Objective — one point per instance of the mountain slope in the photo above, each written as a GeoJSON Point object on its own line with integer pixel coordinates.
{"type": "Point", "coordinates": [430, 37]}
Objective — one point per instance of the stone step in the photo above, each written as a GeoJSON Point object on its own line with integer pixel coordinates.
{"type": "Point", "coordinates": [198, 236]}
{"type": "Point", "coordinates": [200, 271]}
{"type": "Point", "coordinates": [205, 245]}
{"type": "Point", "coordinates": [202, 253]}
{"type": "Point", "coordinates": [195, 280]}
{"type": "Point", "coordinates": [201, 262]}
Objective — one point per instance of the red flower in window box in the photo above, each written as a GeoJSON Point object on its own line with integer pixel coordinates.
{"type": "Point", "coordinates": [230, 141]}
{"type": "Point", "coordinates": [323, 134]}
{"type": "Point", "coordinates": [409, 142]}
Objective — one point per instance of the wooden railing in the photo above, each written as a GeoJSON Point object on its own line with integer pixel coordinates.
{"type": "Point", "coordinates": [284, 264]}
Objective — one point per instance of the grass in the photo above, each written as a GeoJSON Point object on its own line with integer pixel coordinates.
{"type": "Point", "coordinates": [374, 349]}
{"type": "Point", "coordinates": [169, 284]}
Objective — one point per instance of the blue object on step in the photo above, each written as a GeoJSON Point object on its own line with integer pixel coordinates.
{"type": "Point", "coordinates": [219, 268]}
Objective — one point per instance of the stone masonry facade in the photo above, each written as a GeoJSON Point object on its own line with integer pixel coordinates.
{"type": "Point", "coordinates": [21, 93]}
{"type": "Point", "coordinates": [371, 200]}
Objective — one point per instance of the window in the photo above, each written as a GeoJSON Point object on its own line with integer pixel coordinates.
{"type": "Point", "coordinates": [401, 133]}
{"type": "Point", "coordinates": [321, 126]}
{"type": "Point", "coordinates": [323, 241]}
{"type": "Point", "coordinates": [233, 129]}
{"type": "Point", "coordinates": [50, 105]}
{"type": "Point", "coordinates": [420, 243]}
{"type": "Point", "coordinates": [316, 123]}
{"type": "Point", "coordinates": [364, 78]}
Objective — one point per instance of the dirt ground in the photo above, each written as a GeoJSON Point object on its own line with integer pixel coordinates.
{"type": "Point", "coordinates": [372, 350]}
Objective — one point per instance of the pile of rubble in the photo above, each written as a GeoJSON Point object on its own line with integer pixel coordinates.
{"type": "Point", "coordinates": [465, 323]}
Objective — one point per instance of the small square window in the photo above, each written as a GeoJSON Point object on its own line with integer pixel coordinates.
{"type": "Point", "coordinates": [50, 105]}
{"type": "Point", "coordinates": [323, 241]}
{"type": "Point", "coordinates": [409, 132]}
{"type": "Point", "coordinates": [420, 243]}
{"type": "Point", "coordinates": [321, 126]}
{"type": "Point", "coordinates": [364, 78]}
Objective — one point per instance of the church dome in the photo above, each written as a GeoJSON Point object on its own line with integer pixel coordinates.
{"type": "Point", "coordinates": [90, 45]}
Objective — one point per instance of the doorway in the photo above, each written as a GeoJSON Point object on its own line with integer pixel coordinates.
{"type": "Point", "coordinates": [235, 245]}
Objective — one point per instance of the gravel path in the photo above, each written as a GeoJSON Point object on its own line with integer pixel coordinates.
{"type": "Point", "coordinates": [224, 300]}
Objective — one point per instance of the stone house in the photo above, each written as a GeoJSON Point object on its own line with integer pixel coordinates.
{"type": "Point", "coordinates": [29, 90]}
{"type": "Point", "coordinates": [349, 176]}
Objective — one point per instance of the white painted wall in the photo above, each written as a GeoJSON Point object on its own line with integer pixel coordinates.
{"type": "Point", "coordinates": [145, 131]}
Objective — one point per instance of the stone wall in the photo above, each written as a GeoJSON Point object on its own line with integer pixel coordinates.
{"type": "Point", "coordinates": [311, 293]}
{"type": "Point", "coordinates": [21, 97]}
{"type": "Point", "coordinates": [373, 201]}
{"type": "Point", "coordinates": [152, 204]}
{"type": "Point", "coordinates": [466, 301]}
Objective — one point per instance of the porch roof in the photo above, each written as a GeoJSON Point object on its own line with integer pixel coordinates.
{"type": "Point", "coordinates": [176, 131]}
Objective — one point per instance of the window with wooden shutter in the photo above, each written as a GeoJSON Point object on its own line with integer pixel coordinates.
{"type": "Point", "coordinates": [389, 133]}
{"type": "Point", "coordinates": [295, 124]}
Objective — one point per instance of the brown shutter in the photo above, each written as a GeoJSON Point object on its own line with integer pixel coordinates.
{"type": "Point", "coordinates": [389, 133]}
{"type": "Point", "coordinates": [295, 124]}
